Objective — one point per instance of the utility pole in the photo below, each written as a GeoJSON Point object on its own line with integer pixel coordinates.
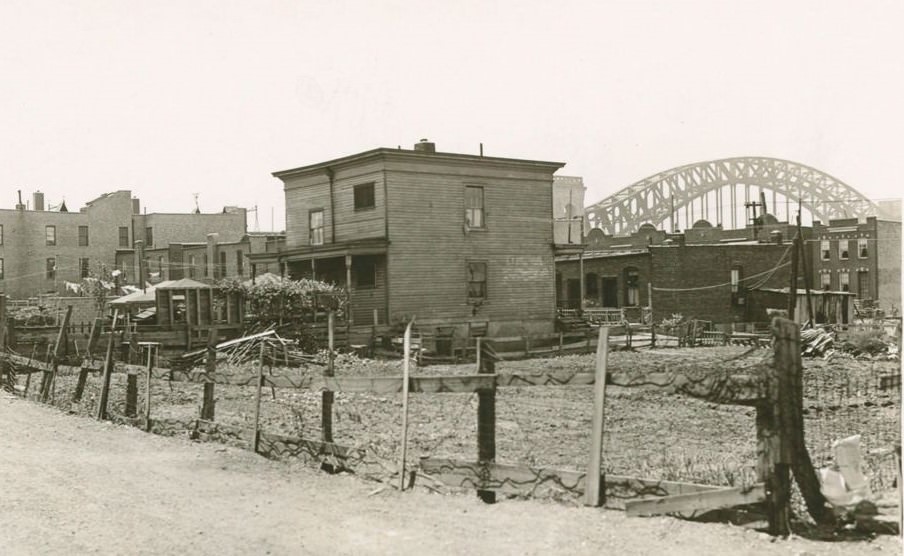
{"type": "Point", "coordinates": [139, 252]}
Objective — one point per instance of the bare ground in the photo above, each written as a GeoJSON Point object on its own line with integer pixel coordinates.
{"type": "Point", "coordinates": [71, 485]}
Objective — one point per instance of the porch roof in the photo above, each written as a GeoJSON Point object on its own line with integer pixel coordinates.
{"type": "Point", "coordinates": [374, 246]}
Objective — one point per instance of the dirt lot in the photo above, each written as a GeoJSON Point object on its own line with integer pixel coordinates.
{"type": "Point", "coordinates": [72, 485]}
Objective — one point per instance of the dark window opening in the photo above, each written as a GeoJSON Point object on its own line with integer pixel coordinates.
{"type": "Point", "coordinates": [83, 267]}
{"type": "Point", "coordinates": [632, 287]}
{"type": "Point", "coordinates": [149, 236]}
{"type": "Point", "coordinates": [83, 236]}
{"type": "Point", "coordinates": [51, 268]}
{"type": "Point", "coordinates": [477, 280]}
{"type": "Point", "coordinates": [365, 273]}
{"type": "Point", "coordinates": [364, 196]}
{"type": "Point", "coordinates": [123, 236]}
{"type": "Point", "coordinates": [240, 263]}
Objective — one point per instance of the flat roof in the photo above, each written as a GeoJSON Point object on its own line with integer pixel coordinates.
{"type": "Point", "coordinates": [408, 153]}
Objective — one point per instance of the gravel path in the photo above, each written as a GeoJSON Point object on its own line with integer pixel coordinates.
{"type": "Point", "coordinates": [71, 485]}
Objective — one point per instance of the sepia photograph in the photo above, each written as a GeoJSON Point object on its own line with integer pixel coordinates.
{"type": "Point", "coordinates": [492, 277]}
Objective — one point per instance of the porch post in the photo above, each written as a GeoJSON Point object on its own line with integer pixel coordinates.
{"type": "Point", "coordinates": [581, 270]}
{"type": "Point", "coordinates": [348, 288]}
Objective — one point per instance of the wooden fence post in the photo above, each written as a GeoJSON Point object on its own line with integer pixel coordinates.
{"type": "Point", "coordinates": [255, 440]}
{"type": "Point", "coordinates": [108, 372]}
{"type": "Point", "coordinates": [486, 420]}
{"type": "Point", "coordinates": [208, 406]}
{"type": "Point", "coordinates": [406, 346]}
{"type": "Point", "coordinates": [789, 368]}
{"type": "Point", "coordinates": [93, 337]}
{"type": "Point", "coordinates": [4, 367]}
{"type": "Point", "coordinates": [327, 396]}
{"type": "Point", "coordinates": [593, 493]}
{"type": "Point", "coordinates": [151, 347]}
{"type": "Point", "coordinates": [58, 348]}
{"type": "Point", "coordinates": [131, 394]}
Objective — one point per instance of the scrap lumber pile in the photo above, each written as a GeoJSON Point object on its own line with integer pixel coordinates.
{"type": "Point", "coordinates": [277, 351]}
{"type": "Point", "coordinates": [815, 341]}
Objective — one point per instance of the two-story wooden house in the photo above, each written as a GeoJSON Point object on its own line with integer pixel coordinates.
{"type": "Point", "coordinates": [456, 240]}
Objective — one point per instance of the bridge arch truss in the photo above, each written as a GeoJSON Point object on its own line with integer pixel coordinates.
{"type": "Point", "coordinates": [717, 191]}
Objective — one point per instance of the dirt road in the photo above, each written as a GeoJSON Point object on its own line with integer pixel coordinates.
{"type": "Point", "coordinates": [71, 485]}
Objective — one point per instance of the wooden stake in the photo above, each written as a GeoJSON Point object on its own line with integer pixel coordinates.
{"type": "Point", "coordinates": [131, 394]}
{"type": "Point", "coordinates": [326, 397]}
{"type": "Point", "coordinates": [93, 338]}
{"type": "Point", "coordinates": [593, 495]}
{"type": "Point", "coordinates": [147, 405]}
{"type": "Point", "coordinates": [406, 345]}
{"type": "Point", "coordinates": [58, 348]}
{"type": "Point", "coordinates": [108, 372]}
{"type": "Point", "coordinates": [208, 406]}
{"type": "Point", "coordinates": [255, 440]}
{"type": "Point", "coordinates": [486, 422]}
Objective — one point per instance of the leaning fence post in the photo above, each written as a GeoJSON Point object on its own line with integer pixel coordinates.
{"type": "Point", "coordinates": [208, 406]}
{"type": "Point", "coordinates": [406, 346]}
{"type": "Point", "coordinates": [108, 371]}
{"type": "Point", "coordinates": [58, 348]}
{"type": "Point", "coordinates": [255, 440]}
{"type": "Point", "coordinates": [593, 493]}
{"type": "Point", "coordinates": [93, 338]}
{"type": "Point", "coordinates": [151, 347]}
{"type": "Point", "coordinates": [486, 421]}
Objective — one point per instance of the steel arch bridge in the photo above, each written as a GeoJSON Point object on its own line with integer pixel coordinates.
{"type": "Point", "coordinates": [660, 198]}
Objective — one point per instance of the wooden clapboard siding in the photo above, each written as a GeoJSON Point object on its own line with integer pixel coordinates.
{"type": "Point", "coordinates": [313, 191]}
{"type": "Point", "coordinates": [429, 246]}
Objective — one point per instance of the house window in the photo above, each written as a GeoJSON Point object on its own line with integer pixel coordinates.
{"type": "Point", "coordinates": [51, 268]}
{"type": "Point", "coordinates": [83, 236]}
{"type": "Point", "coordinates": [843, 249]}
{"type": "Point", "coordinates": [83, 266]}
{"type": "Point", "coordinates": [863, 248]}
{"type": "Point", "coordinates": [204, 267]}
{"type": "Point", "coordinates": [160, 268]}
{"type": "Point", "coordinates": [316, 226]}
{"type": "Point", "coordinates": [191, 266]}
{"type": "Point", "coordinates": [474, 216]}
{"type": "Point", "coordinates": [632, 287]}
{"type": "Point", "coordinates": [149, 236]}
{"type": "Point", "coordinates": [477, 280]}
{"type": "Point", "coordinates": [364, 196]}
{"type": "Point", "coordinates": [1, 269]}
{"type": "Point", "coordinates": [825, 281]}
{"type": "Point", "coordinates": [826, 249]}
{"type": "Point", "coordinates": [123, 236]}
{"type": "Point", "coordinates": [221, 268]}
{"type": "Point", "coordinates": [50, 235]}
{"type": "Point", "coordinates": [591, 286]}
{"type": "Point", "coordinates": [239, 263]}
{"type": "Point", "coordinates": [365, 273]}
{"type": "Point", "coordinates": [1, 234]}
{"type": "Point", "coordinates": [735, 279]}
{"type": "Point", "coordinates": [844, 280]}
{"type": "Point", "coordinates": [863, 284]}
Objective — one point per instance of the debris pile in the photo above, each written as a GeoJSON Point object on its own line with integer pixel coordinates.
{"type": "Point", "coordinates": [277, 351]}
{"type": "Point", "coordinates": [816, 341]}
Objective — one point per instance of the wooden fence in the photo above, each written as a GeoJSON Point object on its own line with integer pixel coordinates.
{"type": "Point", "coordinates": [774, 389]}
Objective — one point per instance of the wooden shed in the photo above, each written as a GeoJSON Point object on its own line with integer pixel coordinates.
{"type": "Point", "coordinates": [187, 302]}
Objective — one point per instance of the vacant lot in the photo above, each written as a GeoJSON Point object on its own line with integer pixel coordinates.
{"type": "Point", "coordinates": [72, 485]}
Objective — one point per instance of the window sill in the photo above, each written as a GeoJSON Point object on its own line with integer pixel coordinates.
{"type": "Point", "coordinates": [365, 209]}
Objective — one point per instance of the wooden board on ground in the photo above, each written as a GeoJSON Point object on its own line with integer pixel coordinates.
{"type": "Point", "coordinates": [698, 502]}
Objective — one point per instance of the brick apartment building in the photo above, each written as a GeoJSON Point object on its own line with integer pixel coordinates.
{"type": "Point", "coordinates": [456, 240]}
{"type": "Point", "coordinates": [41, 250]}
{"type": "Point", "coordinates": [861, 257]}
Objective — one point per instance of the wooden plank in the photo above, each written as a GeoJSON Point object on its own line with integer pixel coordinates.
{"type": "Point", "coordinates": [524, 480]}
{"type": "Point", "coordinates": [255, 439]}
{"type": "Point", "coordinates": [108, 371]}
{"type": "Point", "coordinates": [406, 357]}
{"type": "Point", "coordinates": [486, 422]}
{"type": "Point", "coordinates": [697, 502]}
{"type": "Point", "coordinates": [592, 496]}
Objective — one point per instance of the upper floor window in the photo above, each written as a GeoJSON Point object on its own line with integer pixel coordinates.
{"type": "Point", "coordinates": [735, 279]}
{"type": "Point", "coordinates": [364, 196]}
{"type": "Point", "coordinates": [474, 214]}
{"type": "Point", "coordinates": [83, 267]}
{"type": "Point", "coordinates": [239, 263]}
{"type": "Point", "coordinates": [50, 235]}
{"type": "Point", "coordinates": [83, 236]}
{"type": "Point", "coordinates": [51, 268]}
{"type": "Point", "coordinates": [191, 266]}
{"type": "Point", "coordinates": [863, 248]}
{"type": "Point", "coordinates": [843, 249]}
{"type": "Point", "coordinates": [825, 281]}
{"type": "Point", "coordinates": [477, 280]}
{"type": "Point", "coordinates": [221, 268]}
{"type": "Point", "coordinates": [123, 236]}
{"type": "Point", "coordinates": [825, 249]}
{"type": "Point", "coordinates": [149, 237]}
{"type": "Point", "coordinates": [1, 234]}
{"type": "Point", "coordinates": [316, 226]}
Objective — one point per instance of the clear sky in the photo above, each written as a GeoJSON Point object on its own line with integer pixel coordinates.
{"type": "Point", "coordinates": [173, 97]}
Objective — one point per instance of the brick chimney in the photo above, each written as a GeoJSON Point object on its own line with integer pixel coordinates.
{"type": "Point", "coordinates": [38, 200]}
